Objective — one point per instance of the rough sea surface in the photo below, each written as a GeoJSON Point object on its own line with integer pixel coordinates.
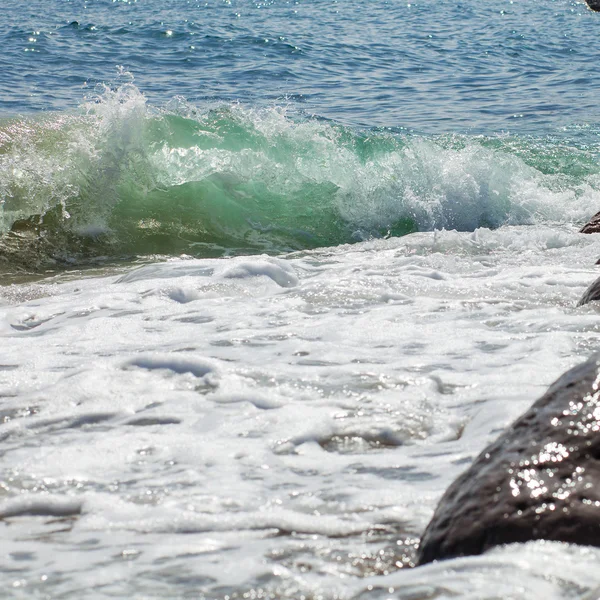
{"type": "Point", "coordinates": [272, 275]}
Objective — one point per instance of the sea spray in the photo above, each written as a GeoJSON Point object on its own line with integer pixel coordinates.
{"type": "Point", "coordinates": [121, 178]}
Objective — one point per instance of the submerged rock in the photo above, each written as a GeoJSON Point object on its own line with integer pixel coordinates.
{"type": "Point", "coordinates": [539, 480]}
{"type": "Point", "coordinates": [591, 294]}
{"type": "Point", "coordinates": [593, 225]}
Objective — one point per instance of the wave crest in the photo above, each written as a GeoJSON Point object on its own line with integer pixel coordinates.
{"type": "Point", "coordinates": [121, 178]}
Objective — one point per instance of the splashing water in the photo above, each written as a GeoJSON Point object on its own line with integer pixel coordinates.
{"type": "Point", "coordinates": [121, 178]}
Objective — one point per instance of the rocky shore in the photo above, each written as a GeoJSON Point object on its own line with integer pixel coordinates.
{"type": "Point", "coordinates": [539, 480]}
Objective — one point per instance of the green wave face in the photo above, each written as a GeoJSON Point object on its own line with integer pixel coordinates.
{"type": "Point", "coordinates": [120, 179]}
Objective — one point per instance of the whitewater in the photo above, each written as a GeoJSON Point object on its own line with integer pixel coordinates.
{"type": "Point", "coordinates": [267, 289]}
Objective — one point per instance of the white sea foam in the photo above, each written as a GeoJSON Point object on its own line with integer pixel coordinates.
{"type": "Point", "coordinates": [40, 505]}
{"type": "Point", "coordinates": [225, 426]}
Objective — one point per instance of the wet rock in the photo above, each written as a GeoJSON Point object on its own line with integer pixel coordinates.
{"type": "Point", "coordinates": [591, 294]}
{"type": "Point", "coordinates": [594, 4]}
{"type": "Point", "coordinates": [539, 480]}
{"type": "Point", "coordinates": [593, 225]}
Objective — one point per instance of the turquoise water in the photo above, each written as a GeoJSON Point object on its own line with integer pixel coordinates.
{"type": "Point", "coordinates": [160, 128]}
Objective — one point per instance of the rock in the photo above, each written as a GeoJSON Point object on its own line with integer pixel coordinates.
{"type": "Point", "coordinates": [539, 480]}
{"type": "Point", "coordinates": [594, 4]}
{"type": "Point", "coordinates": [592, 293]}
{"type": "Point", "coordinates": [593, 225]}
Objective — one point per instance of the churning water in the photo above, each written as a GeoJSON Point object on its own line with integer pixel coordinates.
{"type": "Point", "coordinates": [274, 273]}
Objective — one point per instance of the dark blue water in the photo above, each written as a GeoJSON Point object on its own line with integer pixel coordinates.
{"type": "Point", "coordinates": [529, 66]}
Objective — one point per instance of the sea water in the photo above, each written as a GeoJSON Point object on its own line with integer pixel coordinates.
{"type": "Point", "coordinates": [274, 273]}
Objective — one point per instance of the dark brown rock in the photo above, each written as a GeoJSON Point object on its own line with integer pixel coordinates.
{"type": "Point", "coordinates": [593, 225]}
{"type": "Point", "coordinates": [594, 4]}
{"type": "Point", "coordinates": [539, 480]}
{"type": "Point", "coordinates": [591, 294]}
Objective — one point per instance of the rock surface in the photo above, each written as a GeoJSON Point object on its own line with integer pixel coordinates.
{"type": "Point", "coordinates": [593, 225]}
{"type": "Point", "coordinates": [539, 480]}
{"type": "Point", "coordinates": [594, 4]}
{"type": "Point", "coordinates": [592, 293]}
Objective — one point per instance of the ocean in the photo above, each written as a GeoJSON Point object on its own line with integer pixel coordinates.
{"type": "Point", "coordinates": [272, 274]}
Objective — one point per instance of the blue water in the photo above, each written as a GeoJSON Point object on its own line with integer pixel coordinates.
{"type": "Point", "coordinates": [223, 127]}
{"type": "Point", "coordinates": [526, 67]}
